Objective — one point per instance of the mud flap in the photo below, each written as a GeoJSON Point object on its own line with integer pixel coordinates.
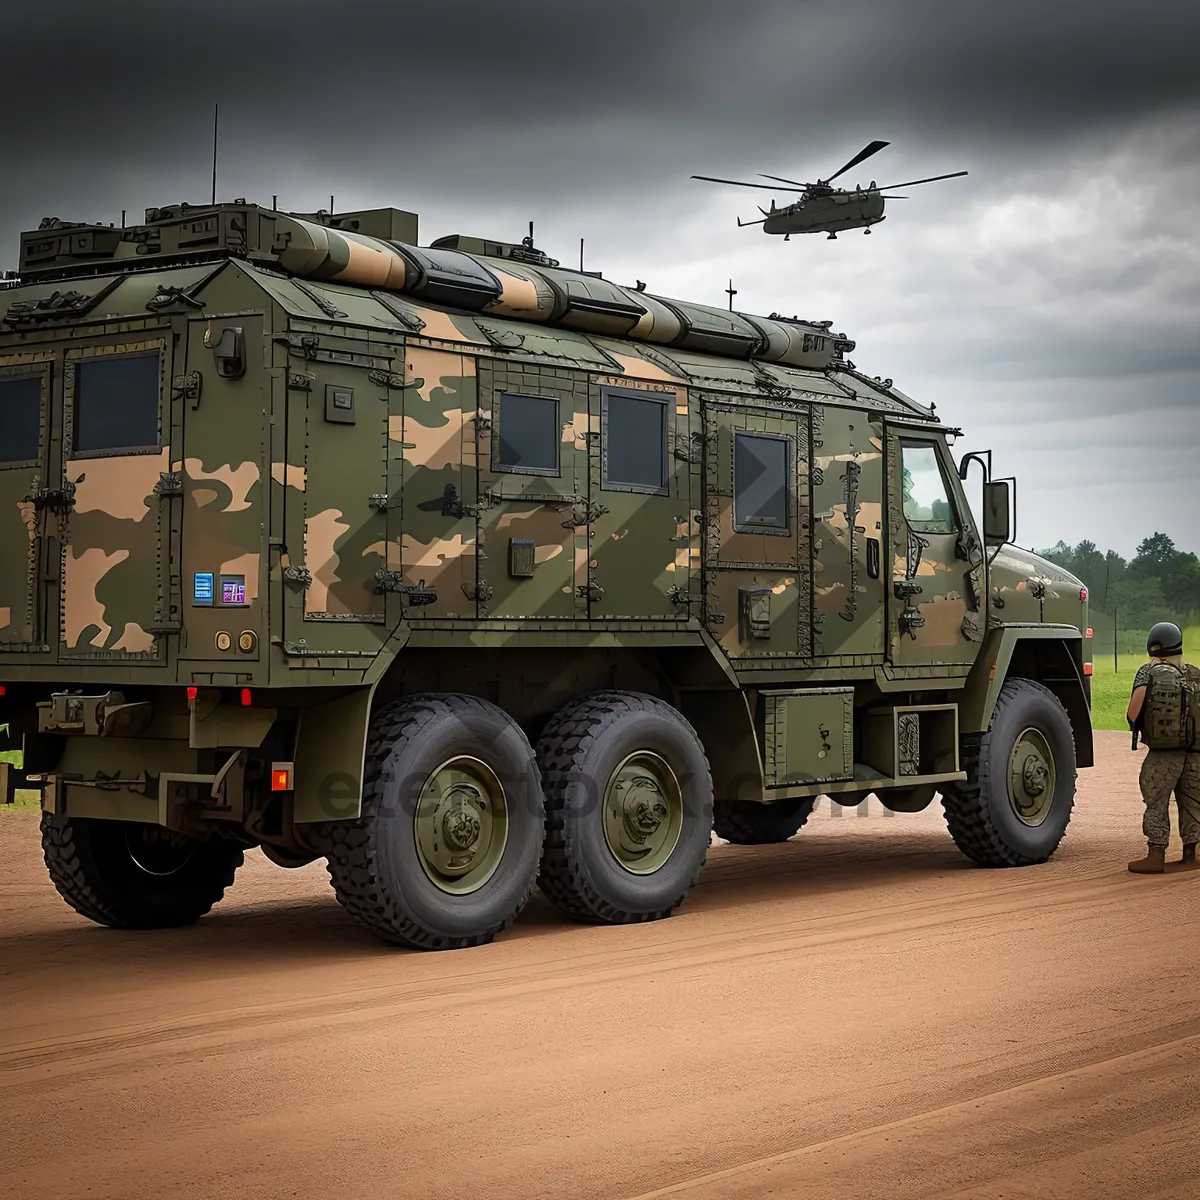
{"type": "Point", "coordinates": [329, 758]}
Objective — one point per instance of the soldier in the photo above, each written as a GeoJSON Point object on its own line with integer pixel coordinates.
{"type": "Point", "coordinates": [1165, 770]}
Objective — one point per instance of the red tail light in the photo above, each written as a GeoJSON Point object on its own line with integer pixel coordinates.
{"type": "Point", "coordinates": [1087, 668]}
{"type": "Point", "coordinates": [245, 697]}
{"type": "Point", "coordinates": [193, 693]}
{"type": "Point", "coordinates": [281, 777]}
{"type": "Point", "coordinates": [1089, 632]}
{"type": "Point", "coordinates": [1083, 593]}
{"type": "Point", "coordinates": [3, 690]}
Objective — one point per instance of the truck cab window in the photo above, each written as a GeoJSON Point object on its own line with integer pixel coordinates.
{"type": "Point", "coordinates": [927, 505]}
{"type": "Point", "coordinates": [116, 404]}
{"type": "Point", "coordinates": [529, 434]}
{"type": "Point", "coordinates": [20, 417]}
{"type": "Point", "coordinates": [760, 488]}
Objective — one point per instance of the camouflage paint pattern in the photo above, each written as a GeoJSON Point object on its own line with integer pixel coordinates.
{"type": "Point", "coordinates": [1165, 772]}
{"type": "Point", "coordinates": [645, 547]}
{"type": "Point", "coordinates": [345, 465]}
{"type": "Point", "coordinates": [434, 439]}
{"type": "Point", "coordinates": [551, 510]}
{"type": "Point", "coordinates": [739, 565]}
{"type": "Point", "coordinates": [847, 511]}
{"type": "Point", "coordinates": [23, 528]}
{"type": "Point", "coordinates": [942, 621]}
{"type": "Point", "coordinates": [339, 525]}
{"type": "Point", "coordinates": [113, 536]}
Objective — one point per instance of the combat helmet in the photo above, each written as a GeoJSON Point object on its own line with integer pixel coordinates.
{"type": "Point", "coordinates": [1165, 640]}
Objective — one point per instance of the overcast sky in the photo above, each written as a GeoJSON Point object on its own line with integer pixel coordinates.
{"type": "Point", "coordinates": [1049, 303]}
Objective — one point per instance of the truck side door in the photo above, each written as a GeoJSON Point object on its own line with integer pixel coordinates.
{"type": "Point", "coordinates": [935, 615]}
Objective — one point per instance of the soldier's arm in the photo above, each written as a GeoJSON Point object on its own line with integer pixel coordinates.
{"type": "Point", "coordinates": [1135, 704]}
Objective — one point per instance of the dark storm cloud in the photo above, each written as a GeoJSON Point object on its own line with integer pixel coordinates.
{"type": "Point", "coordinates": [1054, 289]}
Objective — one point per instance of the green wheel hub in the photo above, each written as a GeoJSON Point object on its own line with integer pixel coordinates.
{"type": "Point", "coordinates": [461, 825]}
{"type": "Point", "coordinates": [643, 812]}
{"type": "Point", "coordinates": [1031, 777]}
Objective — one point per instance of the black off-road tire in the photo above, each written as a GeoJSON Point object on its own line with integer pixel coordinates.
{"type": "Point", "coordinates": [97, 868]}
{"type": "Point", "coordinates": [979, 811]}
{"type": "Point", "coordinates": [748, 823]}
{"type": "Point", "coordinates": [578, 751]}
{"type": "Point", "coordinates": [374, 863]}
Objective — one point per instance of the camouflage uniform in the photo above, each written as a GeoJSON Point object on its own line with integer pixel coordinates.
{"type": "Point", "coordinates": [1164, 772]}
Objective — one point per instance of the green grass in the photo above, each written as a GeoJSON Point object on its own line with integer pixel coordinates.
{"type": "Point", "coordinates": [1110, 689]}
{"type": "Point", "coordinates": [26, 798]}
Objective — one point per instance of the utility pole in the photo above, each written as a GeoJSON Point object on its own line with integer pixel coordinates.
{"type": "Point", "coordinates": [1116, 665]}
{"type": "Point", "coordinates": [731, 291]}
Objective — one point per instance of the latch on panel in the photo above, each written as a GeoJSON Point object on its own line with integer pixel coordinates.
{"type": "Point", "coordinates": [755, 603]}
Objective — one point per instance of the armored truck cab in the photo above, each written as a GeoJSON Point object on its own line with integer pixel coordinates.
{"type": "Point", "coordinates": [464, 572]}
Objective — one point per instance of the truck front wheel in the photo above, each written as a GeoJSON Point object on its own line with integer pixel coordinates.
{"type": "Point", "coordinates": [133, 876]}
{"type": "Point", "coordinates": [1015, 804]}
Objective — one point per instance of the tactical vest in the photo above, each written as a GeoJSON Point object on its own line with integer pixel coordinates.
{"type": "Point", "coordinates": [1172, 708]}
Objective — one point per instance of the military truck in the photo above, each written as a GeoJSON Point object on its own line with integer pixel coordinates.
{"type": "Point", "coordinates": [470, 573]}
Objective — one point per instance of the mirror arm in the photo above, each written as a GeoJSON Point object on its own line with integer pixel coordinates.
{"type": "Point", "coordinates": [982, 457]}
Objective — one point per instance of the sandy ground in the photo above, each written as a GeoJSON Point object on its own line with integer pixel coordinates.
{"type": "Point", "coordinates": [859, 1013]}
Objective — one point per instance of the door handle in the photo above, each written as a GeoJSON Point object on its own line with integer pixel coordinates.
{"type": "Point", "coordinates": [873, 558]}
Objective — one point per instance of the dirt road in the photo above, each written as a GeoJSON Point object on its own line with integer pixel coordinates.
{"type": "Point", "coordinates": [859, 1013]}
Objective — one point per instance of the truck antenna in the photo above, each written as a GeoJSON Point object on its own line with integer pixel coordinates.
{"type": "Point", "coordinates": [216, 126]}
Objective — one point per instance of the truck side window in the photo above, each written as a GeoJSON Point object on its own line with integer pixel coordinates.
{"type": "Point", "coordinates": [635, 442]}
{"type": "Point", "coordinates": [528, 434]}
{"type": "Point", "coordinates": [760, 483]}
{"type": "Point", "coordinates": [20, 413]}
{"type": "Point", "coordinates": [926, 502]}
{"type": "Point", "coordinates": [116, 404]}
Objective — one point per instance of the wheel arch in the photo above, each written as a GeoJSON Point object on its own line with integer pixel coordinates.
{"type": "Point", "coordinates": [1051, 655]}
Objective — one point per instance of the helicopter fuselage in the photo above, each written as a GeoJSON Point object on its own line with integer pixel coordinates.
{"type": "Point", "coordinates": [828, 212]}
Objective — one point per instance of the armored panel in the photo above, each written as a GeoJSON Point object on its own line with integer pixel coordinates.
{"type": "Point", "coordinates": [808, 736]}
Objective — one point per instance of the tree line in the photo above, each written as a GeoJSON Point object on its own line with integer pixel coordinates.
{"type": "Point", "coordinates": [1160, 582]}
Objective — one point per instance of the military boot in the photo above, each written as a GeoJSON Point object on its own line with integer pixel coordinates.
{"type": "Point", "coordinates": [1153, 864]}
{"type": "Point", "coordinates": [1188, 861]}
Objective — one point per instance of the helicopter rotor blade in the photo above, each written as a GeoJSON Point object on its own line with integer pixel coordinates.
{"type": "Point", "coordinates": [770, 187]}
{"type": "Point", "coordinates": [781, 179]}
{"type": "Point", "coordinates": [864, 153]}
{"type": "Point", "coordinates": [883, 197]}
{"type": "Point", "coordinates": [931, 179]}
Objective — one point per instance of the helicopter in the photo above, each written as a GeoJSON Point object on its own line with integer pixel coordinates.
{"type": "Point", "coordinates": [822, 208]}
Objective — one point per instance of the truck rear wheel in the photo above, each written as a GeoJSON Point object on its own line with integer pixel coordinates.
{"type": "Point", "coordinates": [132, 876]}
{"type": "Point", "coordinates": [445, 853]}
{"type": "Point", "coordinates": [1015, 804]}
{"type": "Point", "coordinates": [628, 808]}
{"type": "Point", "coordinates": [749, 823]}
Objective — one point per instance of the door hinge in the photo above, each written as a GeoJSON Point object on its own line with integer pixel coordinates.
{"type": "Point", "coordinates": [584, 514]}
{"type": "Point", "coordinates": [57, 500]}
{"type": "Point", "coordinates": [170, 483]}
{"type": "Point", "coordinates": [380, 500]}
{"type": "Point", "coordinates": [589, 591]}
{"type": "Point", "coordinates": [480, 592]}
{"type": "Point", "coordinates": [415, 594]}
{"type": "Point", "coordinates": [301, 576]}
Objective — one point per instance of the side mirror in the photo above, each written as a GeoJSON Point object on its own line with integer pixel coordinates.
{"type": "Point", "coordinates": [997, 505]}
